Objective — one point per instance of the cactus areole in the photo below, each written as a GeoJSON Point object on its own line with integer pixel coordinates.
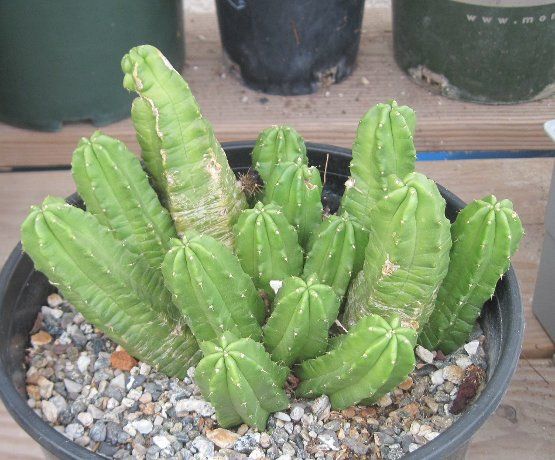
{"type": "Point", "coordinates": [173, 264]}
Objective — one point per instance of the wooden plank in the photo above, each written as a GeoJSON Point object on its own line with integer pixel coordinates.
{"type": "Point", "coordinates": [524, 424]}
{"type": "Point", "coordinates": [522, 427]}
{"type": "Point", "coordinates": [329, 116]}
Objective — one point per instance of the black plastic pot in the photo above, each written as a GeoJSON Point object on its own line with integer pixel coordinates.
{"type": "Point", "coordinates": [291, 47]}
{"type": "Point", "coordinates": [23, 291]}
{"type": "Point", "coordinates": [487, 51]}
{"type": "Point", "coordinates": [59, 59]}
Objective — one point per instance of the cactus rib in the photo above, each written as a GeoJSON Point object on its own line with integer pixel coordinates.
{"type": "Point", "coordinates": [485, 235]}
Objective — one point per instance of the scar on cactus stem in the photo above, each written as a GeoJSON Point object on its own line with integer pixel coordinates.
{"type": "Point", "coordinates": [370, 360]}
{"type": "Point", "coordinates": [240, 380]}
{"type": "Point", "coordinates": [108, 285]}
{"type": "Point", "coordinates": [180, 149]}
{"type": "Point", "coordinates": [485, 235]}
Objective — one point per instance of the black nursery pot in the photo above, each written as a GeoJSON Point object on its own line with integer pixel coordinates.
{"type": "Point", "coordinates": [59, 59]}
{"type": "Point", "coordinates": [23, 291]}
{"type": "Point", "coordinates": [291, 47]}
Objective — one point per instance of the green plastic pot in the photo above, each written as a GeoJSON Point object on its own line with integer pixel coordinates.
{"type": "Point", "coordinates": [487, 51]}
{"type": "Point", "coordinates": [59, 59]}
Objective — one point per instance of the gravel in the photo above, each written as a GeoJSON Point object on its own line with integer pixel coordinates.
{"type": "Point", "coordinates": [139, 413]}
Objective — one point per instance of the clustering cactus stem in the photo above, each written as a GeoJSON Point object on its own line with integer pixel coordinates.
{"type": "Point", "coordinates": [485, 235]}
{"type": "Point", "coordinates": [383, 146]}
{"type": "Point", "coordinates": [111, 287]}
{"type": "Point", "coordinates": [297, 188]}
{"type": "Point", "coordinates": [241, 381]}
{"type": "Point", "coordinates": [267, 245]}
{"type": "Point", "coordinates": [336, 252]}
{"type": "Point", "coordinates": [302, 316]}
{"type": "Point", "coordinates": [211, 289]}
{"type": "Point", "coordinates": [277, 144]}
{"type": "Point", "coordinates": [407, 254]}
{"type": "Point", "coordinates": [201, 190]}
{"type": "Point", "coordinates": [115, 189]}
{"type": "Point", "coordinates": [375, 356]}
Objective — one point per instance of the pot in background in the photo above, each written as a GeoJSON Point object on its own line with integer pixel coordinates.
{"type": "Point", "coordinates": [485, 51]}
{"type": "Point", "coordinates": [59, 59]}
{"type": "Point", "coordinates": [23, 291]}
{"type": "Point", "coordinates": [291, 47]}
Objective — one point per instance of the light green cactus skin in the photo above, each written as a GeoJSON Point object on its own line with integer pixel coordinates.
{"type": "Point", "coordinates": [274, 145]}
{"type": "Point", "coordinates": [485, 235]}
{"type": "Point", "coordinates": [370, 360]}
{"type": "Point", "coordinates": [336, 252]}
{"type": "Point", "coordinates": [202, 192]}
{"type": "Point", "coordinates": [297, 188]}
{"type": "Point", "coordinates": [267, 245]}
{"type": "Point", "coordinates": [211, 289]}
{"type": "Point", "coordinates": [115, 189]}
{"type": "Point", "coordinates": [302, 316]}
{"type": "Point", "coordinates": [407, 255]}
{"type": "Point", "coordinates": [240, 380]}
{"type": "Point", "coordinates": [383, 146]}
{"type": "Point", "coordinates": [111, 287]}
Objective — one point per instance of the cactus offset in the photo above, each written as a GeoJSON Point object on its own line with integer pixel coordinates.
{"type": "Point", "coordinates": [297, 188]}
{"type": "Point", "coordinates": [267, 245]}
{"type": "Point", "coordinates": [383, 146]}
{"type": "Point", "coordinates": [241, 381]}
{"type": "Point", "coordinates": [375, 356]}
{"type": "Point", "coordinates": [115, 189]}
{"type": "Point", "coordinates": [201, 190]}
{"type": "Point", "coordinates": [407, 254]}
{"type": "Point", "coordinates": [274, 145]}
{"type": "Point", "coordinates": [485, 235]}
{"type": "Point", "coordinates": [111, 287]}
{"type": "Point", "coordinates": [336, 252]}
{"type": "Point", "coordinates": [211, 289]}
{"type": "Point", "coordinates": [299, 324]}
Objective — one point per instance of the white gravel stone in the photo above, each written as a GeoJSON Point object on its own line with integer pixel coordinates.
{"type": "Point", "coordinates": [437, 377]}
{"type": "Point", "coordinates": [118, 381]}
{"type": "Point", "coordinates": [85, 418]}
{"type": "Point", "coordinates": [144, 369]}
{"type": "Point", "coordinates": [143, 426]}
{"type": "Point", "coordinates": [424, 354]}
{"type": "Point", "coordinates": [296, 413]}
{"type": "Point", "coordinates": [463, 362]}
{"type": "Point", "coordinates": [184, 406]}
{"type": "Point", "coordinates": [282, 416]}
{"type": "Point", "coordinates": [257, 454]}
{"type": "Point", "coordinates": [50, 411]}
{"type": "Point", "coordinates": [72, 387]}
{"type": "Point", "coordinates": [472, 347]}
{"type": "Point", "coordinates": [162, 442]}
{"type": "Point", "coordinates": [83, 363]}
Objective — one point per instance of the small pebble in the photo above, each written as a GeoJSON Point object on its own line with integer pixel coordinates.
{"type": "Point", "coordinates": [222, 438]}
{"type": "Point", "coordinates": [472, 347]}
{"type": "Point", "coordinates": [85, 419]}
{"type": "Point", "coordinates": [437, 377]}
{"type": "Point", "coordinates": [54, 300]}
{"type": "Point", "coordinates": [50, 411]}
{"type": "Point", "coordinates": [122, 360]}
{"type": "Point", "coordinates": [161, 441]}
{"type": "Point", "coordinates": [282, 416]}
{"type": "Point", "coordinates": [424, 354]}
{"type": "Point", "coordinates": [40, 338]}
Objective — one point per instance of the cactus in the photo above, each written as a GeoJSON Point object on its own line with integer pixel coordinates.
{"type": "Point", "coordinates": [297, 188]}
{"type": "Point", "coordinates": [241, 381]}
{"type": "Point", "coordinates": [383, 146]}
{"type": "Point", "coordinates": [201, 190]}
{"type": "Point", "coordinates": [115, 189]}
{"type": "Point", "coordinates": [110, 286]}
{"type": "Point", "coordinates": [211, 289]}
{"type": "Point", "coordinates": [274, 145]}
{"type": "Point", "coordinates": [299, 324]}
{"type": "Point", "coordinates": [369, 361]}
{"type": "Point", "coordinates": [267, 245]}
{"type": "Point", "coordinates": [485, 235]}
{"type": "Point", "coordinates": [407, 254]}
{"type": "Point", "coordinates": [336, 252]}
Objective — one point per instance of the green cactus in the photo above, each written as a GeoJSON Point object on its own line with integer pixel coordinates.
{"type": "Point", "coordinates": [115, 189]}
{"type": "Point", "coordinates": [211, 289]}
{"type": "Point", "coordinates": [274, 145]}
{"type": "Point", "coordinates": [383, 146]}
{"type": "Point", "coordinates": [370, 360]}
{"type": "Point", "coordinates": [297, 188]}
{"type": "Point", "coordinates": [302, 316]}
{"type": "Point", "coordinates": [241, 381]}
{"type": "Point", "coordinates": [201, 190]}
{"type": "Point", "coordinates": [336, 252]}
{"type": "Point", "coordinates": [485, 235]}
{"type": "Point", "coordinates": [111, 287]}
{"type": "Point", "coordinates": [407, 254]}
{"type": "Point", "coordinates": [267, 245]}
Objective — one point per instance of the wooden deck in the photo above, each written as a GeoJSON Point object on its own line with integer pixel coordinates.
{"type": "Point", "coordinates": [524, 425]}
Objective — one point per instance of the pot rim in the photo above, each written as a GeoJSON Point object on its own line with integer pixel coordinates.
{"type": "Point", "coordinates": [453, 438]}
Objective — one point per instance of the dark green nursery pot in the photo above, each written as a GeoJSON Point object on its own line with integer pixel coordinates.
{"type": "Point", "coordinates": [59, 59]}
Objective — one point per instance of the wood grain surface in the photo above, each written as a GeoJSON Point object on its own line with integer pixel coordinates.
{"type": "Point", "coordinates": [329, 116]}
